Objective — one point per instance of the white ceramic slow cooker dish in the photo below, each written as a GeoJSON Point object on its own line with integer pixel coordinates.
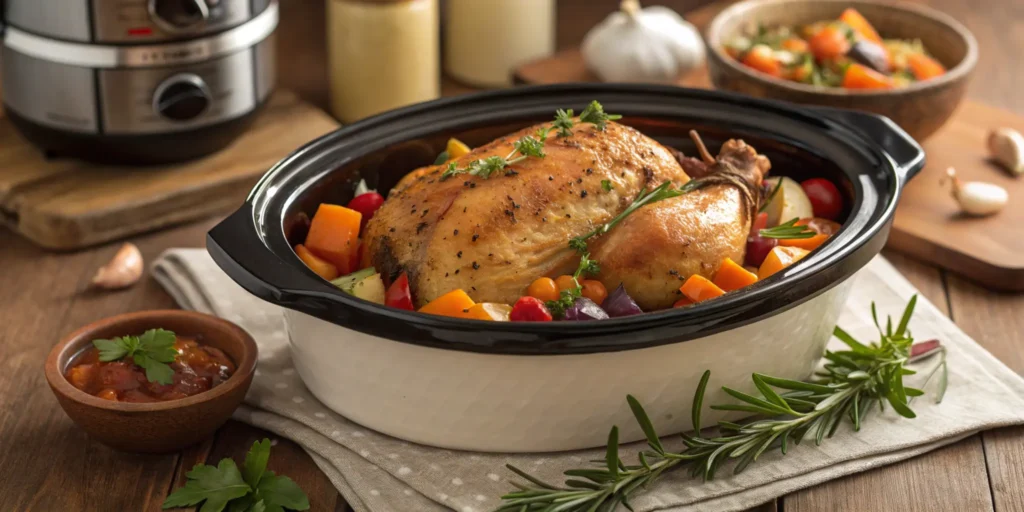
{"type": "Point", "coordinates": [529, 387]}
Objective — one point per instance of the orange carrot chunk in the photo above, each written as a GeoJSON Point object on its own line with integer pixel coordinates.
{"type": "Point", "coordinates": [829, 43]}
{"type": "Point", "coordinates": [323, 268]}
{"type": "Point", "coordinates": [860, 25]}
{"type": "Point", "coordinates": [697, 288]}
{"type": "Point", "coordinates": [732, 276]}
{"type": "Point", "coordinates": [780, 258]}
{"type": "Point", "coordinates": [795, 45]}
{"type": "Point", "coordinates": [455, 303]}
{"type": "Point", "coordinates": [858, 76]}
{"type": "Point", "coordinates": [334, 236]}
{"type": "Point", "coordinates": [824, 227]}
{"type": "Point", "coordinates": [924, 67]}
{"type": "Point", "coordinates": [762, 58]}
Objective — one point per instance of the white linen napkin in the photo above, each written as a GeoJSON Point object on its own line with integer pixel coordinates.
{"type": "Point", "coordinates": [380, 473]}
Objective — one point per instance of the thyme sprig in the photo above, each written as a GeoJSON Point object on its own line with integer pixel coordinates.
{"type": "Point", "coordinates": [788, 231]}
{"type": "Point", "coordinates": [663, 191]}
{"type": "Point", "coordinates": [851, 383]}
{"type": "Point", "coordinates": [566, 298]}
{"type": "Point", "coordinates": [527, 146]}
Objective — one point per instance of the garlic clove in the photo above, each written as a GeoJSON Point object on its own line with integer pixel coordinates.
{"type": "Point", "coordinates": [977, 198]}
{"type": "Point", "coordinates": [1006, 146]}
{"type": "Point", "coordinates": [122, 271]}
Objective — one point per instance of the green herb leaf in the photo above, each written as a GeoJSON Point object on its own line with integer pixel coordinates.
{"type": "Point", "coordinates": [606, 185]}
{"type": "Point", "coordinates": [111, 350]}
{"type": "Point", "coordinates": [698, 402]}
{"type": "Point", "coordinates": [280, 492]}
{"type": "Point", "coordinates": [158, 344]}
{"type": "Point", "coordinates": [256, 462]}
{"type": "Point", "coordinates": [156, 371]}
{"type": "Point", "coordinates": [214, 485]}
{"type": "Point", "coordinates": [151, 351]}
{"type": "Point", "coordinates": [788, 231]}
{"type": "Point", "coordinates": [564, 122]}
{"type": "Point", "coordinates": [224, 486]}
{"type": "Point", "coordinates": [612, 455]}
{"type": "Point", "coordinates": [595, 115]}
{"type": "Point", "coordinates": [442, 157]}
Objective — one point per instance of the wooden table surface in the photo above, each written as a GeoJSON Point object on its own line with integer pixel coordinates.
{"type": "Point", "coordinates": [47, 464]}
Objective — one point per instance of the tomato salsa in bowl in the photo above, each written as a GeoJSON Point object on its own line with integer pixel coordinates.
{"type": "Point", "coordinates": [152, 381]}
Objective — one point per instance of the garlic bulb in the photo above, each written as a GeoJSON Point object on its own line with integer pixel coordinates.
{"type": "Point", "coordinates": [122, 271]}
{"type": "Point", "coordinates": [642, 45]}
{"type": "Point", "coordinates": [977, 198]}
{"type": "Point", "coordinates": [1006, 146]}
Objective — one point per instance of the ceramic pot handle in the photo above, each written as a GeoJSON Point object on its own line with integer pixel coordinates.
{"type": "Point", "coordinates": [904, 150]}
{"type": "Point", "coordinates": [238, 249]}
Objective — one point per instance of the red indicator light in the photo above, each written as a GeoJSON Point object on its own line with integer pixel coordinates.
{"type": "Point", "coordinates": [140, 31]}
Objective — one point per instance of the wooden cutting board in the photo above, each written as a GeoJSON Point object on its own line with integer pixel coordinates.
{"type": "Point", "coordinates": [927, 225]}
{"type": "Point", "coordinates": [68, 204]}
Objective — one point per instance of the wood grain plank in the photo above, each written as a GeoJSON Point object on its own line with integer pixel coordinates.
{"type": "Point", "coordinates": [951, 478]}
{"type": "Point", "coordinates": [995, 321]}
{"type": "Point", "coordinates": [44, 296]}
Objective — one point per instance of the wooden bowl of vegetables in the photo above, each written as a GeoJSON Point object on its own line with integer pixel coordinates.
{"type": "Point", "coordinates": [906, 62]}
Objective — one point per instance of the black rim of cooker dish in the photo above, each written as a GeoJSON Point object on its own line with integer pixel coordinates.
{"type": "Point", "coordinates": [876, 156]}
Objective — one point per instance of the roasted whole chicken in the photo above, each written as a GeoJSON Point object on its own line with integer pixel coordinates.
{"type": "Point", "coordinates": [491, 237]}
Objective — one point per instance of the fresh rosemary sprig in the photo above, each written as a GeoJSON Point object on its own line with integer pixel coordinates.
{"type": "Point", "coordinates": [586, 267]}
{"type": "Point", "coordinates": [851, 383]}
{"type": "Point", "coordinates": [663, 191]}
{"type": "Point", "coordinates": [523, 148]}
{"type": "Point", "coordinates": [788, 231]}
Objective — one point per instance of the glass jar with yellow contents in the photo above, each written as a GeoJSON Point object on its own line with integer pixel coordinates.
{"type": "Point", "coordinates": [382, 54]}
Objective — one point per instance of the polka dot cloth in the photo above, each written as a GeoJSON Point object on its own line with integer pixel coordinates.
{"type": "Point", "coordinates": [378, 473]}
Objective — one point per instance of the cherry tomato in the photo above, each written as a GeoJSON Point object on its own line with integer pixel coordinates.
{"type": "Point", "coordinates": [760, 222]}
{"type": "Point", "coordinates": [826, 201]}
{"type": "Point", "coordinates": [543, 288]}
{"type": "Point", "coordinates": [366, 204]}
{"type": "Point", "coordinates": [594, 290]}
{"type": "Point", "coordinates": [529, 309]}
{"type": "Point", "coordinates": [758, 248]}
{"type": "Point", "coordinates": [565, 282]}
{"type": "Point", "coordinates": [399, 295]}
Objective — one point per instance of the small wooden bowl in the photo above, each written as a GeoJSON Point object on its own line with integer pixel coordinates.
{"type": "Point", "coordinates": [160, 426]}
{"type": "Point", "coordinates": [920, 109]}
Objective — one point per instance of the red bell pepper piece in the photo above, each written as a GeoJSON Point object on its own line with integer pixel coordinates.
{"type": "Point", "coordinates": [530, 309]}
{"type": "Point", "coordinates": [398, 294]}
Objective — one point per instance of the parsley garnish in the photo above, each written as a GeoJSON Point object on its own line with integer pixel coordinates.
{"type": "Point", "coordinates": [567, 298]}
{"type": "Point", "coordinates": [606, 185]}
{"type": "Point", "coordinates": [564, 122]}
{"type": "Point", "coordinates": [252, 489]}
{"type": "Point", "coordinates": [595, 115]}
{"type": "Point", "coordinates": [152, 351]}
{"type": "Point", "coordinates": [788, 231]}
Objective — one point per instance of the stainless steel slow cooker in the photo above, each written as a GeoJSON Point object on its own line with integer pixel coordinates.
{"type": "Point", "coordinates": [136, 81]}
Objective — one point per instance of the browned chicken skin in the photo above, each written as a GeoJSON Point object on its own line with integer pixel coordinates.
{"type": "Point", "coordinates": [492, 237]}
{"type": "Point", "coordinates": [656, 248]}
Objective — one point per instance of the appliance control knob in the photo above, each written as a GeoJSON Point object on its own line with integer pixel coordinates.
{"type": "Point", "coordinates": [178, 15]}
{"type": "Point", "coordinates": [182, 97]}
